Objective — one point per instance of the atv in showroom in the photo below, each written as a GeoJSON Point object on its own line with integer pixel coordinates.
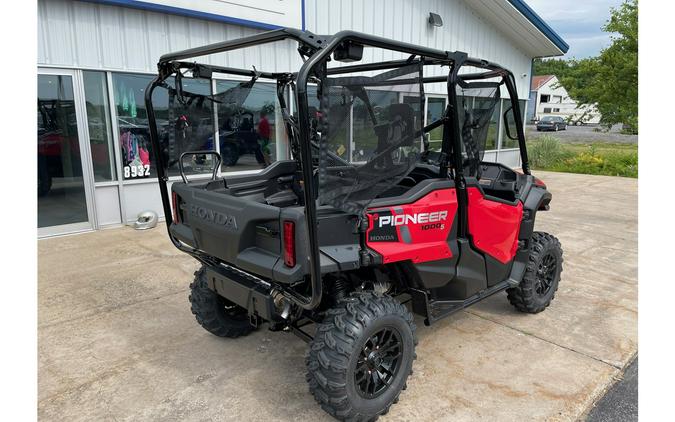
{"type": "Point", "coordinates": [366, 222]}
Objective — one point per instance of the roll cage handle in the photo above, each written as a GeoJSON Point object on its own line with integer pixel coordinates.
{"type": "Point", "coordinates": [219, 160]}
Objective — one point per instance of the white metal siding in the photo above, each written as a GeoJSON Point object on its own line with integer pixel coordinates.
{"type": "Point", "coordinates": [88, 35]}
{"type": "Point", "coordinates": [406, 20]}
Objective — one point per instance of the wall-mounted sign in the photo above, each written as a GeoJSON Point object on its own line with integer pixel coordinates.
{"type": "Point", "coordinates": [267, 14]}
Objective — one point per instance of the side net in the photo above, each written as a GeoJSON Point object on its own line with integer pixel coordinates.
{"type": "Point", "coordinates": [478, 109]}
{"type": "Point", "coordinates": [369, 135]}
{"type": "Point", "coordinates": [184, 110]}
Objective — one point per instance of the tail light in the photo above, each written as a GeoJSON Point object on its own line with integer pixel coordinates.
{"type": "Point", "coordinates": [539, 182]}
{"type": "Point", "coordinates": [174, 205]}
{"type": "Point", "coordinates": [289, 243]}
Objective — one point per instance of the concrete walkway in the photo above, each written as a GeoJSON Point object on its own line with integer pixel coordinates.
{"type": "Point", "coordinates": [117, 340]}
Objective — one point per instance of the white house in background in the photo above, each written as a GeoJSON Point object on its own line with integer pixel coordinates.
{"type": "Point", "coordinates": [549, 98]}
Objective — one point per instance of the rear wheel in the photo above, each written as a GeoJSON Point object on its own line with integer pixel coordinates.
{"type": "Point", "coordinates": [216, 314]}
{"type": "Point", "coordinates": [542, 275]}
{"type": "Point", "coordinates": [230, 154]}
{"type": "Point", "coordinates": [361, 356]}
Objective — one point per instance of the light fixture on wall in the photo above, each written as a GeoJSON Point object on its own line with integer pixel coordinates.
{"type": "Point", "coordinates": [435, 19]}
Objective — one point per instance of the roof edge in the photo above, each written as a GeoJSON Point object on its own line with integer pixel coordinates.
{"type": "Point", "coordinates": [542, 80]}
{"type": "Point", "coordinates": [540, 24]}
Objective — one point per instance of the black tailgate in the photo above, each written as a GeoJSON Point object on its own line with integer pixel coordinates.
{"type": "Point", "coordinates": [227, 227]}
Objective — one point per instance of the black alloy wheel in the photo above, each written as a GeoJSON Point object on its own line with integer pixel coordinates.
{"type": "Point", "coordinates": [378, 362]}
{"type": "Point", "coordinates": [542, 275]}
{"type": "Point", "coordinates": [361, 356]}
{"type": "Point", "coordinates": [546, 273]}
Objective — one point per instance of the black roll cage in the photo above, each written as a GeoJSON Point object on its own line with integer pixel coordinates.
{"type": "Point", "coordinates": [316, 50]}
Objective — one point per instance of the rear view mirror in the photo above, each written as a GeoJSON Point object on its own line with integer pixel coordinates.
{"type": "Point", "coordinates": [348, 52]}
{"type": "Point", "coordinates": [506, 123]}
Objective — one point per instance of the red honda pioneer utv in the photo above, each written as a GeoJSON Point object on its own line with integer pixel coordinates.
{"type": "Point", "coordinates": [366, 219]}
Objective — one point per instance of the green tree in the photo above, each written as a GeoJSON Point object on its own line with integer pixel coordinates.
{"type": "Point", "coordinates": [557, 67]}
{"type": "Point", "coordinates": [611, 80]}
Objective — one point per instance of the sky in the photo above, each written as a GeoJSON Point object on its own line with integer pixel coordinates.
{"type": "Point", "coordinates": [579, 23]}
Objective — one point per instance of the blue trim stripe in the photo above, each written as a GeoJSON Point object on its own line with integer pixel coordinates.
{"type": "Point", "coordinates": [154, 7]}
{"type": "Point", "coordinates": [520, 5]}
{"type": "Point", "coordinates": [538, 22]}
{"type": "Point", "coordinates": [302, 5]}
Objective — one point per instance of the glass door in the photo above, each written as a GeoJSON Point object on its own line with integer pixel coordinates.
{"type": "Point", "coordinates": [64, 187]}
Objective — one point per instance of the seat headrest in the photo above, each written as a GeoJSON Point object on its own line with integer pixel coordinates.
{"type": "Point", "coordinates": [405, 111]}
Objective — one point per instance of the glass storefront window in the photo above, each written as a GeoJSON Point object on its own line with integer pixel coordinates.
{"type": "Point", "coordinates": [188, 126]}
{"type": "Point", "coordinates": [132, 123]}
{"type": "Point", "coordinates": [192, 127]}
{"type": "Point", "coordinates": [60, 184]}
{"type": "Point", "coordinates": [506, 141]}
{"type": "Point", "coordinates": [247, 129]}
{"type": "Point", "coordinates": [100, 130]}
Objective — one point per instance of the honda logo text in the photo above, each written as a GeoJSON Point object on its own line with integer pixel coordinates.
{"type": "Point", "coordinates": [214, 216]}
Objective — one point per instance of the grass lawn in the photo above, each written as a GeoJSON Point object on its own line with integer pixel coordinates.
{"type": "Point", "coordinates": [547, 153]}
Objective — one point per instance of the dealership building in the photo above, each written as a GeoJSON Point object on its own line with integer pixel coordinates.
{"type": "Point", "coordinates": [96, 58]}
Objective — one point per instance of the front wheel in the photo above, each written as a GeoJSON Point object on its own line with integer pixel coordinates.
{"type": "Point", "coordinates": [361, 356]}
{"type": "Point", "coordinates": [216, 314]}
{"type": "Point", "coordinates": [542, 275]}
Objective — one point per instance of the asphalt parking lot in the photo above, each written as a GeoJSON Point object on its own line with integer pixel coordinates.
{"type": "Point", "coordinates": [584, 134]}
{"type": "Point", "coordinates": [117, 341]}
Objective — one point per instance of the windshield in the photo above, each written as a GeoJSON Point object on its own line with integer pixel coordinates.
{"type": "Point", "coordinates": [548, 119]}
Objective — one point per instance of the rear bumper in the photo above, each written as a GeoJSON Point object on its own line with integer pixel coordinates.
{"type": "Point", "coordinates": [252, 295]}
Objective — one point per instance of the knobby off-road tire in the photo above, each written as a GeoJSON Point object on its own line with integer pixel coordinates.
{"type": "Point", "coordinates": [360, 335]}
{"type": "Point", "coordinates": [229, 154]}
{"type": "Point", "coordinates": [215, 313]}
{"type": "Point", "coordinates": [542, 275]}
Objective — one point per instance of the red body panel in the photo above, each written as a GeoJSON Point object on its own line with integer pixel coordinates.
{"type": "Point", "coordinates": [418, 231]}
{"type": "Point", "coordinates": [494, 226]}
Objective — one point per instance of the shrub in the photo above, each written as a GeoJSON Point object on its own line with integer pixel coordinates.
{"type": "Point", "coordinates": [606, 159]}
{"type": "Point", "coordinates": [546, 152]}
